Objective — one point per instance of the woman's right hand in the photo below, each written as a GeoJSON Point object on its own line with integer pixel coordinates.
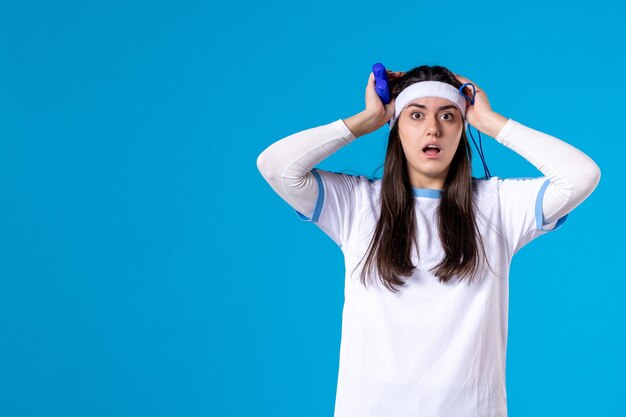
{"type": "Point", "coordinates": [378, 112]}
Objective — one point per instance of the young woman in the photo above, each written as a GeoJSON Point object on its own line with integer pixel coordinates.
{"type": "Point", "coordinates": [427, 248]}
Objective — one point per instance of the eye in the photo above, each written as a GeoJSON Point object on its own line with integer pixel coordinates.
{"type": "Point", "coordinates": [450, 116]}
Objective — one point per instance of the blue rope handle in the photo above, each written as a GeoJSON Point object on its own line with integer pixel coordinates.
{"type": "Point", "coordinates": [480, 150]}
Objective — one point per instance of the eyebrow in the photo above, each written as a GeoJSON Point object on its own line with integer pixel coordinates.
{"type": "Point", "coordinates": [449, 106]}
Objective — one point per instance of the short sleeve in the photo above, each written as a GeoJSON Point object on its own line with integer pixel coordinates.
{"type": "Point", "coordinates": [335, 204]}
{"type": "Point", "coordinates": [521, 210]}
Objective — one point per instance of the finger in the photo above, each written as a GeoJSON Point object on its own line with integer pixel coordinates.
{"type": "Point", "coordinates": [464, 80]}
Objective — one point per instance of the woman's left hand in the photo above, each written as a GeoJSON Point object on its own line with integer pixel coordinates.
{"type": "Point", "coordinates": [481, 107]}
{"type": "Point", "coordinates": [480, 115]}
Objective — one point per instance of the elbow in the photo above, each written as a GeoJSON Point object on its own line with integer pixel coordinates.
{"type": "Point", "coordinates": [261, 162]}
{"type": "Point", "coordinates": [591, 176]}
{"type": "Point", "coordinates": [598, 174]}
{"type": "Point", "coordinates": [266, 166]}
{"type": "Point", "coordinates": [595, 175]}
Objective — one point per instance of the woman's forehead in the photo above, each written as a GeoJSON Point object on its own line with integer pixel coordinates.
{"type": "Point", "coordinates": [431, 102]}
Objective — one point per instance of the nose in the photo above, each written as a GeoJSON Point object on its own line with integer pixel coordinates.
{"type": "Point", "coordinates": [432, 129]}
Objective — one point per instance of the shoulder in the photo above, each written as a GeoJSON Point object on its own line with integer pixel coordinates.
{"type": "Point", "coordinates": [485, 188]}
{"type": "Point", "coordinates": [354, 186]}
{"type": "Point", "coordinates": [521, 185]}
{"type": "Point", "coordinates": [514, 192]}
{"type": "Point", "coordinates": [498, 184]}
{"type": "Point", "coordinates": [355, 180]}
{"type": "Point", "coordinates": [497, 189]}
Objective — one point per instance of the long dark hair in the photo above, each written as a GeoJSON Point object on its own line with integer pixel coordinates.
{"type": "Point", "coordinates": [396, 229]}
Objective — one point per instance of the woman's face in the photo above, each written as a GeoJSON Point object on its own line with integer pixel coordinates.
{"type": "Point", "coordinates": [424, 121]}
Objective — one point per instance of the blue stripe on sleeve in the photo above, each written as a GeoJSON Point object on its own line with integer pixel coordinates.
{"type": "Point", "coordinates": [320, 200]}
{"type": "Point", "coordinates": [539, 210]}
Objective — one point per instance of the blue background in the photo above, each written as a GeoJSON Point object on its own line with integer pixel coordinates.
{"type": "Point", "coordinates": [146, 267]}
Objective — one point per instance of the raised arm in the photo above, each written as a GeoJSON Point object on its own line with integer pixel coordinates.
{"type": "Point", "coordinates": [573, 175]}
{"type": "Point", "coordinates": [286, 164]}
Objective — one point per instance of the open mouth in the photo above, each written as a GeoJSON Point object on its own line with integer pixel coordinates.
{"type": "Point", "coordinates": [431, 150]}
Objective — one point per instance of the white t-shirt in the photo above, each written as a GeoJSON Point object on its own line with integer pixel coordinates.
{"type": "Point", "coordinates": [430, 349]}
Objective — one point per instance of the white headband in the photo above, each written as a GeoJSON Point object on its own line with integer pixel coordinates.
{"type": "Point", "coordinates": [428, 89]}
